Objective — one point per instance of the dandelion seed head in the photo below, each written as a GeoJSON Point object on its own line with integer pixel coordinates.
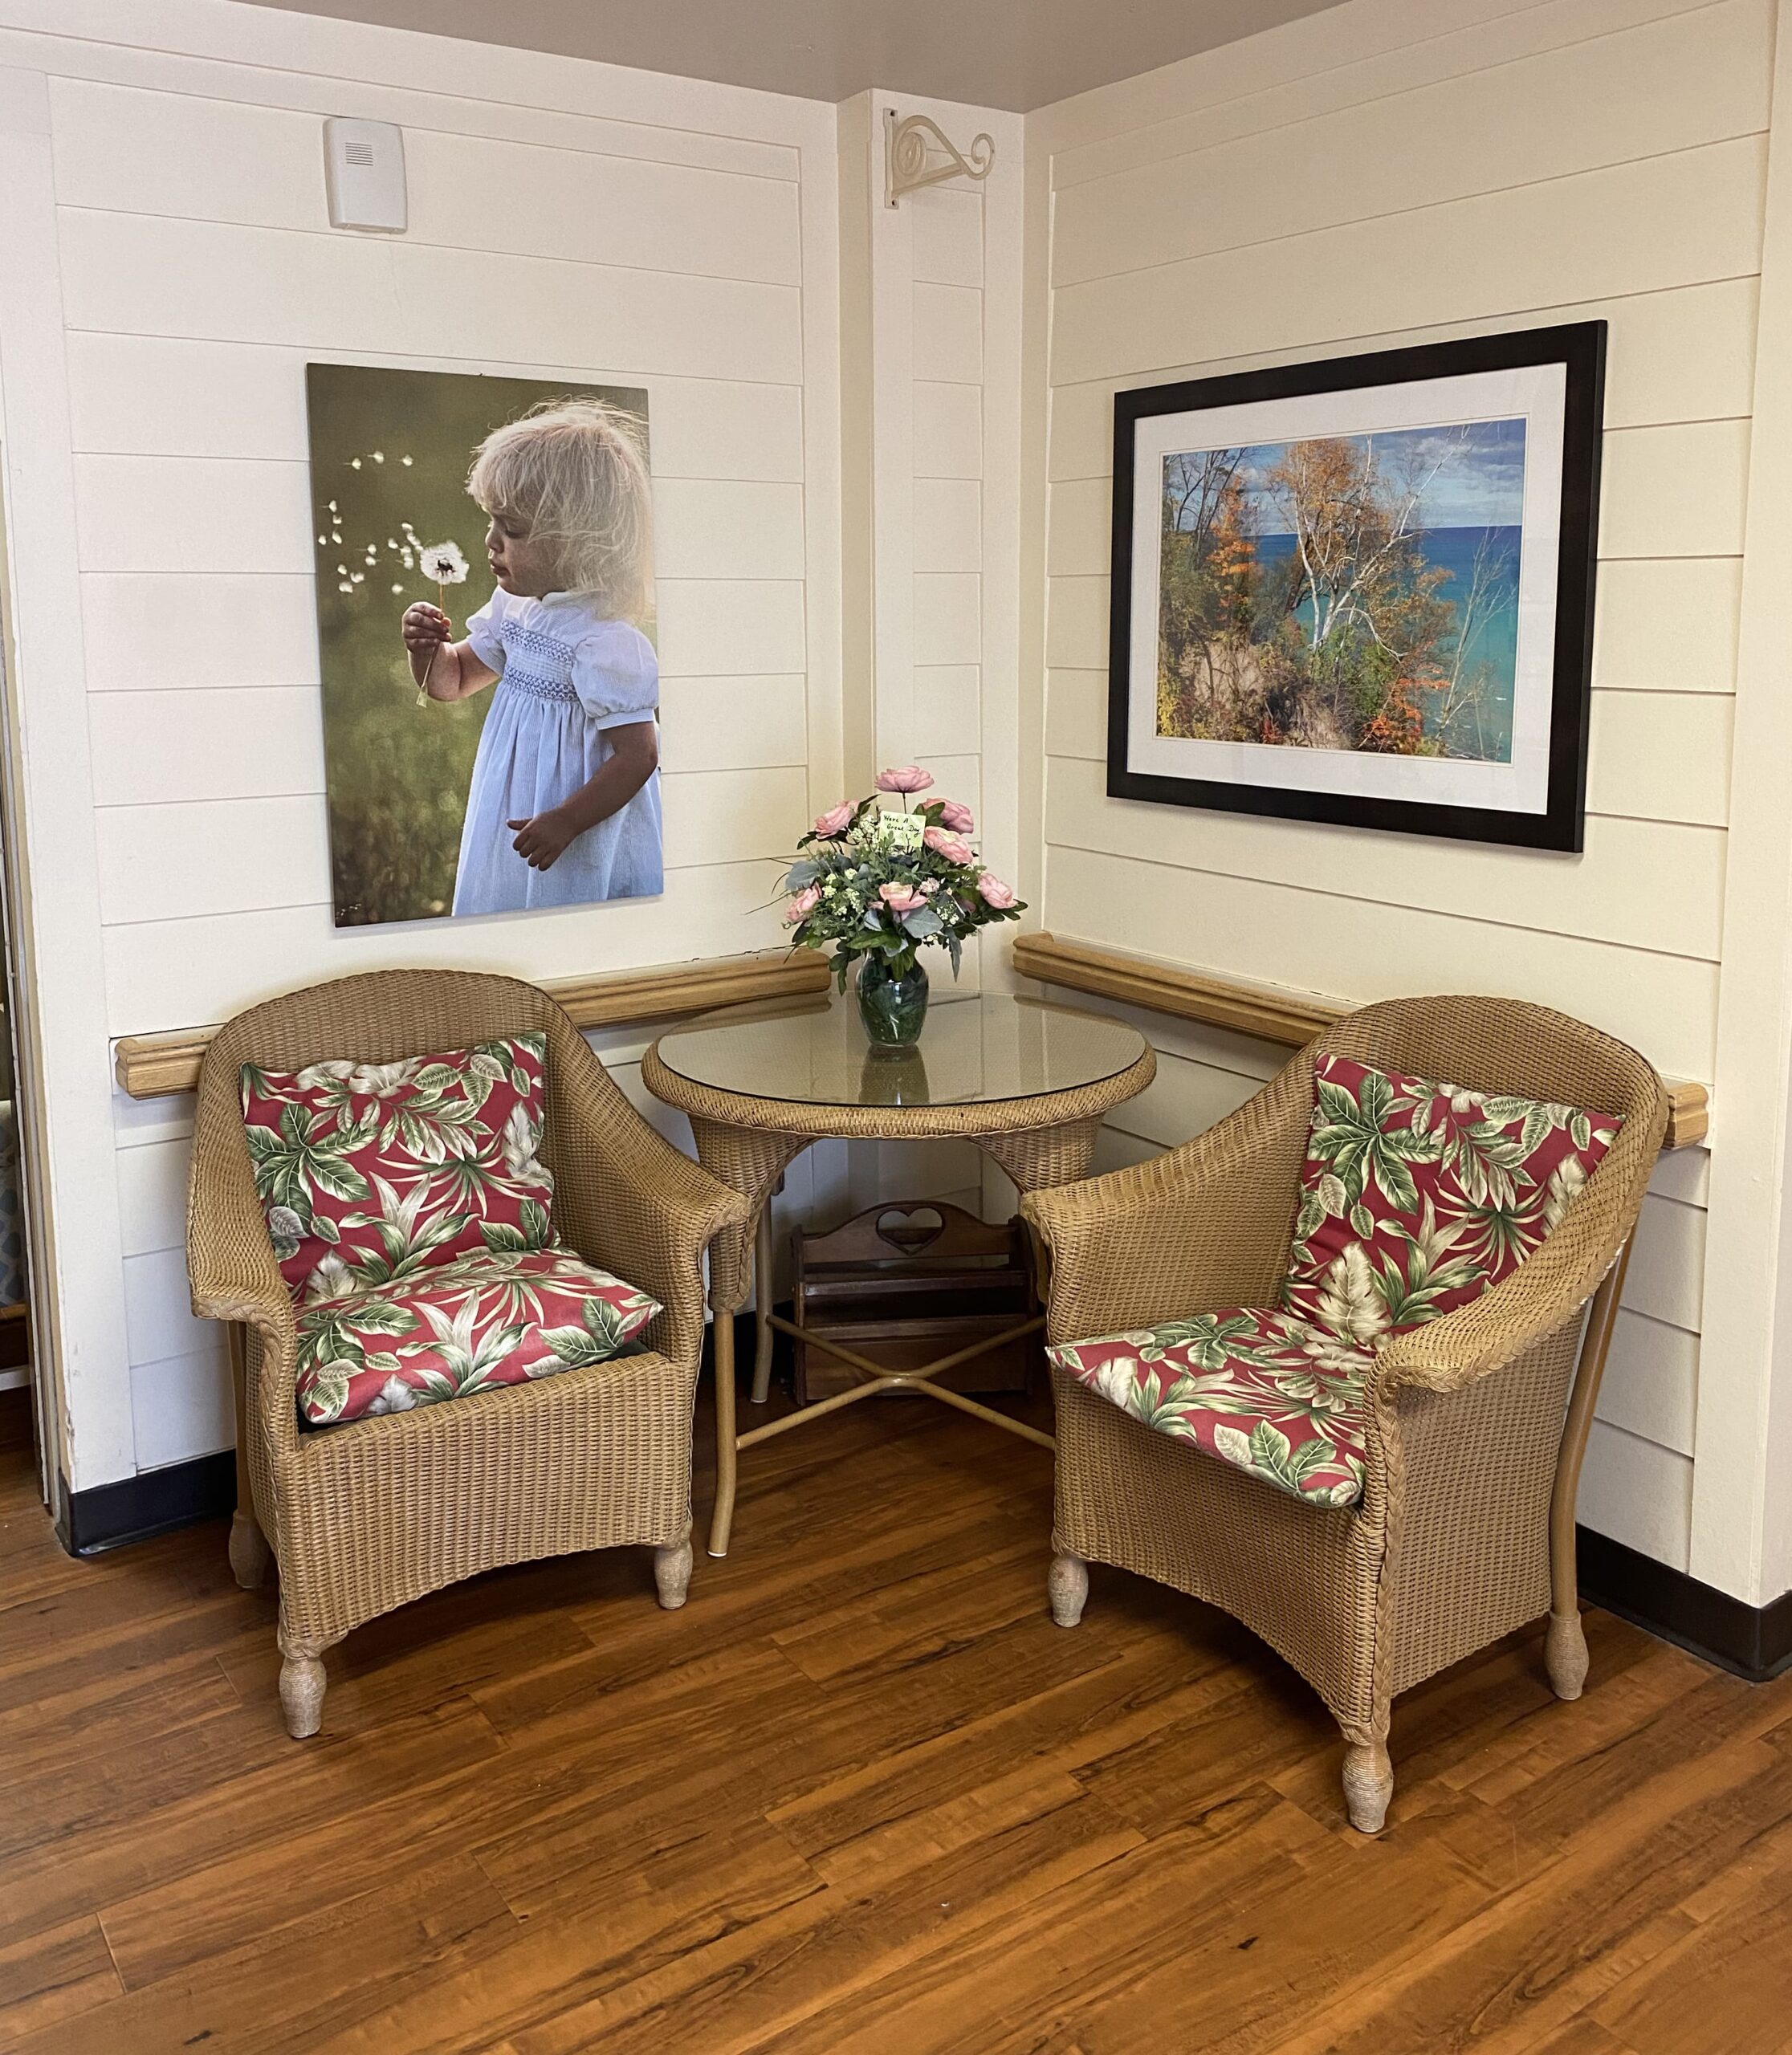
{"type": "Point", "coordinates": [443, 562]}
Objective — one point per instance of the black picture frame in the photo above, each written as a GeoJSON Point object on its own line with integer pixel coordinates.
{"type": "Point", "coordinates": [1580, 348]}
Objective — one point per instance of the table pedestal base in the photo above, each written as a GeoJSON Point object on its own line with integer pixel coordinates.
{"type": "Point", "coordinates": [1056, 1153]}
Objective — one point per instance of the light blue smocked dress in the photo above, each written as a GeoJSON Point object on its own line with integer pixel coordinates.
{"type": "Point", "coordinates": [566, 676]}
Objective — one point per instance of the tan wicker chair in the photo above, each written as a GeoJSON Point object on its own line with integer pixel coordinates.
{"type": "Point", "coordinates": [363, 1518]}
{"type": "Point", "coordinates": [1465, 1528]}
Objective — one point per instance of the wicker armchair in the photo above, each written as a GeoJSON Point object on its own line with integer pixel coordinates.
{"type": "Point", "coordinates": [1465, 1528]}
{"type": "Point", "coordinates": [364, 1517]}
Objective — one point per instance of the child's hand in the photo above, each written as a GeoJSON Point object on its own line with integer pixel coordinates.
{"type": "Point", "coordinates": [544, 838]}
{"type": "Point", "coordinates": [424, 628]}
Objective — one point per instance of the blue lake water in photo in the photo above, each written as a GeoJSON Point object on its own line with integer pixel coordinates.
{"type": "Point", "coordinates": [1494, 642]}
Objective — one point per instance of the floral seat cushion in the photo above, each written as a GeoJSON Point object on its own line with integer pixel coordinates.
{"type": "Point", "coordinates": [1262, 1390]}
{"type": "Point", "coordinates": [503, 1316]}
{"type": "Point", "coordinates": [1416, 1197]}
{"type": "Point", "coordinates": [369, 1174]}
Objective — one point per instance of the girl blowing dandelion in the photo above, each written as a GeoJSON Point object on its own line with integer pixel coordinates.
{"type": "Point", "coordinates": [564, 803]}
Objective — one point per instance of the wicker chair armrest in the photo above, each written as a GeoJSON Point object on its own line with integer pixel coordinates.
{"type": "Point", "coordinates": [1202, 1226]}
{"type": "Point", "coordinates": [232, 1272]}
{"type": "Point", "coordinates": [629, 1201]}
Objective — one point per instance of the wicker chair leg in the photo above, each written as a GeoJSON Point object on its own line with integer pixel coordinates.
{"type": "Point", "coordinates": [302, 1684]}
{"type": "Point", "coordinates": [1565, 1654]}
{"type": "Point", "coordinates": [1368, 1782]}
{"type": "Point", "coordinates": [672, 1562]}
{"type": "Point", "coordinates": [1068, 1585]}
{"type": "Point", "coordinates": [250, 1554]}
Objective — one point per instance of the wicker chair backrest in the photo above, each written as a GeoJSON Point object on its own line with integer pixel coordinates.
{"type": "Point", "coordinates": [381, 1017]}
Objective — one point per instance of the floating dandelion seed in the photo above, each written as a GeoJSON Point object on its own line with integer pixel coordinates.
{"type": "Point", "coordinates": [398, 588]}
{"type": "Point", "coordinates": [354, 463]}
{"type": "Point", "coordinates": [322, 541]}
{"type": "Point", "coordinates": [379, 456]}
{"type": "Point", "coordinates": [345, 587]}
{"type": "Point", "coordinates": [404, 460]}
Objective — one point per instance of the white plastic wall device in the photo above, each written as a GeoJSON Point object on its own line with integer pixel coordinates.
{"type": "Point", "coordinates": [363, 174]}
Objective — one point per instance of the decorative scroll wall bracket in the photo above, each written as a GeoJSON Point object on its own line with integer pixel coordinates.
{"type": "Point", "coordinates": [917, 154]}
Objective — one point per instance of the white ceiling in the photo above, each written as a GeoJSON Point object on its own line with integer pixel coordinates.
{"type": "Point", "coordinates": [1014, 54]}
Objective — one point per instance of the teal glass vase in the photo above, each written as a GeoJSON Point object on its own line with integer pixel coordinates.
{"type": "Point", "coordinates": [892, 1006]}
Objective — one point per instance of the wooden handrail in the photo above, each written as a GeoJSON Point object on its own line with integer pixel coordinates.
{"type": "Point", "coordinates": [1273, 1012]}
{"type": "Point", "coordinates": [157, 1066]}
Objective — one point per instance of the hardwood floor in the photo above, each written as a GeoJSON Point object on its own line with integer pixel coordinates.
{"type": "Point", "coordinates": [859, 1795]}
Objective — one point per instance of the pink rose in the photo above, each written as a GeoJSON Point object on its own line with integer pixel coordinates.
{"type": "Point", "coordinates": [834, 821]}
{"type": "Point", "coordinates": [948, 846]}
{"type": "Point", "coordinates": [801, 905]}
{"type": "Point", "coordinates": [904, 778]}
{"type": "Point", "coordinates": [995, 893]}
{"type": "Point", "coordinates": [955, 814]}
{"type": "Point", "coordinates": [900, 898]}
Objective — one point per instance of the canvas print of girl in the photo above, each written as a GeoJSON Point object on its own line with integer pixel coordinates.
{"type": "Point", "coordinates": [511, 763]}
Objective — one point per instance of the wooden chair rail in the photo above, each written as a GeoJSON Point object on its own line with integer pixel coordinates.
{"type": "Point", "coordinates": [1269, 1011]}
{"type": "Point", "coordinates": [157, 1066]}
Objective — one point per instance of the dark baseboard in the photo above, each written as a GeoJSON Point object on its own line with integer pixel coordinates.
{"type": "Point", "coordinates": [1754, 1642]}
{"type": "Point", "coordinates": [153, 1502]}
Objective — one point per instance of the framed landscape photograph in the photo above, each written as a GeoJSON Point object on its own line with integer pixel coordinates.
{"type": "Point", "coordinates": [1361, 591]}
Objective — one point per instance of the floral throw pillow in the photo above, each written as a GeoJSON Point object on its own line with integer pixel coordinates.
{"type": "Point", "coordinates": [457, 1329]}
{"type": "Point", "coordinates": [369, 1174]}
{"type": "Point", "coordinates": [1416, 1197]}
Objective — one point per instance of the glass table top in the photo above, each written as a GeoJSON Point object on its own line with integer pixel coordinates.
{"type": "Point", "coordinates": [972, 1052]}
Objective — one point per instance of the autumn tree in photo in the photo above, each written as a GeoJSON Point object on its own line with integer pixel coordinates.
{"type": "Point", "coordinates": [1306, 597]}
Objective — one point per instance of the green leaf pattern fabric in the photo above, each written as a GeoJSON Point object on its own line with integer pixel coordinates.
{"type": "Point", "coordinates": [504, 1316]}
{"type": "Point", "coordinates": [370, 1174]}
{"type": "Point", "coordinates": [1263, 1390]}
{"type": "Point", "coordinates": [1417, 1196]}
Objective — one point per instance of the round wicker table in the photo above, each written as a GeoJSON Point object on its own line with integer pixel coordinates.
{"type": "Point", "coordinates": [1028, 1082]}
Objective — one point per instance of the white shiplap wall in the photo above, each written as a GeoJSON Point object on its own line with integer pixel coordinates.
{"type": "Point", "coordinates": [1390, 173]}
{"type": "Point", "coordinates": [942, 430]}
{"type": "Point", "coordinates": [567, 221]}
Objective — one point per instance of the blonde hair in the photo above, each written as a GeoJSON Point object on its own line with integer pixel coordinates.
{"type": "Point", "coordinates": [570, 474]}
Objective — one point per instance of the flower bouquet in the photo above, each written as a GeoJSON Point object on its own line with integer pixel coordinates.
{"type": "Point", "coordinates": [877, 884]}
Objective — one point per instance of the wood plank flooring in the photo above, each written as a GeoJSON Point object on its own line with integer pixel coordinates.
{"type": "Point", "coordinates": [860, 1797]}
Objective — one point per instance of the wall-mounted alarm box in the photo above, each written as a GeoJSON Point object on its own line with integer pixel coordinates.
{"type": "Point", "coordinates": [363, 174]}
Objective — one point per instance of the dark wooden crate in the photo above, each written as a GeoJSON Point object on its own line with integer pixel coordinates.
{"type": "Point", "coordinates": [903, 1292]}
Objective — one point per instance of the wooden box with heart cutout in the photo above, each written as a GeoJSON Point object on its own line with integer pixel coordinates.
{"type": "Point", "coordinates": [908, 1283]}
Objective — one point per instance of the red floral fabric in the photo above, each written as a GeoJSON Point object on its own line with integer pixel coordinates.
{"type": "Point", "coordinates": [1416, 1197]}
{"type": "Point", "coordinates": [1261, 1389]}
{"type": "Point", "coordinates": [369, 1174]}
{"type": "Point", "coordinates": [501, 1317]}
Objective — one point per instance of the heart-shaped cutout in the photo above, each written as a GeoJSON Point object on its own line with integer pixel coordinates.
{"type": "Point", "coordinates": [910, 1230]}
